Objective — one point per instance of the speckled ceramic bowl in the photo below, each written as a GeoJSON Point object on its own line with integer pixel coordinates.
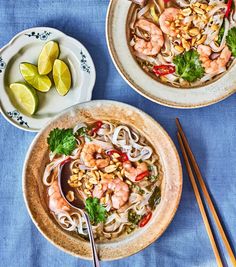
{"type": "Point", "coordinates": [164, 94]}
{"type": "Point", "coordinates": [34, 191]}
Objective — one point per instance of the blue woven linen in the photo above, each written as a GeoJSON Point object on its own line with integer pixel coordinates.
{"type": "Point", "coordinates": [211, 132]}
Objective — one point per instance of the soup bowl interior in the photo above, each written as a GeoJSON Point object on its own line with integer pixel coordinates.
{"type": "Point", "coordinates": [118, 39]}
{"type": "Point", "coordinates": [35, 193]}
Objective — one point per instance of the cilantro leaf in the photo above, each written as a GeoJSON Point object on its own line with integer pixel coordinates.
{"type": "Point", "coordinates": [155, 198]}
{"type": "Point", "coordinates": [61, 141]}
{"type": "Point", "coordinates": [97, 213]}
{"type": "Point", "coordinates": [188, 66]}
{"type": "Point", "coordinates": [82, 131]}
{"type": "Point", "coordinates": [221, 34]}
{"type": "Point", "coordinates": [231, 40]}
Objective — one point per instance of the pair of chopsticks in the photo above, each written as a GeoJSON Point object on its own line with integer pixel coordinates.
{"type": "Point", "coordinates": [190, 163]}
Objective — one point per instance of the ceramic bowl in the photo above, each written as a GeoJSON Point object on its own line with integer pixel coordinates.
{"type": "Point", "coordinates": [26, 47]}
{"type": "Point", "coordinates": [116, 34]}
{"type": "Point", "coordinates": [37, 158]}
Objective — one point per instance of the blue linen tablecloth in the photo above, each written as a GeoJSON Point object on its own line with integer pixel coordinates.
{"type": "Point", "coordinates": [211, 132]}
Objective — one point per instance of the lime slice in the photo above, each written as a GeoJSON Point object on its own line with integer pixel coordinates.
{"type": "Point", "coordinates": [48, 55]}
{"type": "Point", "coordinates": [25, 97]}
{"type": "Point", "coordinates": [31, 75]}
{"type": "Point", "coordinates": [62, 77]}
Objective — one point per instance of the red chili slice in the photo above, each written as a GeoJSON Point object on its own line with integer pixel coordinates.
{"type": "Point", "coordinates": [146, 218]}
{"type": "Point", "coordinates": [163, 70]}
{"type": "Point", "coordinates": [228, 10]}
{"type": "Point", "coordinates": [98, 125]}
{"type": "Point", "coordinates": [123, 157]}
{"type": "Point", "coordinates": [141, 176]}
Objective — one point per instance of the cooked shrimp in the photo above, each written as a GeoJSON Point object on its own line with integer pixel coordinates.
{"type": "Point", "coordinates": [132, 172]}
{"type": "Point", "coordinates": [152, 47]}
{"type": "Point", "coordinates": [94, 156]}
{"type": "Point", "coordinates": [56, 201]}
{"type": "Point", "coordinates": [167, 17]}
{"type": "Point", "coordinates": [213, 66]}
{"type": "Point", "coordinates": [119, 189]}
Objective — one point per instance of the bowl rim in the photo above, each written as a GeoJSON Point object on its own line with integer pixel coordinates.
{"type": "Point", "coordinates": [138, 88]}
{"type": "Point", "coordinates": [177, 199]}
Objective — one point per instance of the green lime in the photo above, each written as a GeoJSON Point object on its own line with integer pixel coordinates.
{"type": "Point", "coordinates": [48, 55]}
{"type": "Point", "coordinates": [25, 97]}
{"type": "Point", "coordinates": [62, 77]}
{"type": "Point", "coordinates": [31, 75]}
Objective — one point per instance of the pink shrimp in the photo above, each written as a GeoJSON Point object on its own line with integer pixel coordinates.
{"type": "Point", "coordinates": [89, 156]}
{"type": "Point", "coordinates": [152, 47]}
{"type": "Point", "coordinates": [132, 172]}
{"type": "Point", "coordinates": [120, 191]}
{"type": "Point", "coordinates": [56, 201]}
{"type": "Point", "coordinates": [213, 66]}
{"type": "Point", "coordinates": [167, 17]}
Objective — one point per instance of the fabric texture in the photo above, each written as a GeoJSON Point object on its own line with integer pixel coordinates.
{"type": "Point", "coordinates": [211, 132]}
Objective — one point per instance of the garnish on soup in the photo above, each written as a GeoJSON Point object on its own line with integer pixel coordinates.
{"type": "Point", "coordinates": [113, 169]}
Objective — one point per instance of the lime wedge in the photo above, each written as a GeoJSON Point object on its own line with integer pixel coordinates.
{"type": "Point", "coordinates": [62, 77]}
{"type": "Point", "coordinates": [48, 55]}
{"type": "Point", "coordinates": [25, 97]}
{"type": "Point", "coordinates": [31, 75]}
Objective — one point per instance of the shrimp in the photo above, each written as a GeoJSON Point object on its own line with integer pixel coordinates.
{"type": "Point", "coordinates": [56, 201]}
{"type": "Point", "coordinates": [94, 156]}
{"type": "Point", "coordinates": [120, 191]}
{"type": "Point", "coordinates": [152, 47]}
{"type": "Point", "coordinates": [132, 172]}
{"type": "Point", "coordinates": [213, 66]}
{"type": "Point", "coordinates": [167, 17]}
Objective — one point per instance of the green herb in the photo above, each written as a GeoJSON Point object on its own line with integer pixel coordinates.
{"type": "Point", "coordinates": [221, 34]}
{"type": "Point", "coordinates": [150, 168]}
{"type": "Point", "coordinates": [138, 189]}
{"type": "Point", "coordinates": [188, 66]}
{"type": "Point", "coordinates": [133, 217]}
{"type": "Point", "coordinates": [152, 178]}
{"type": "Point", "coordinates": [82, 131]}
{"type": "Point", "coordinates": [97, 213]}
{"type": "Point", "coordinates": [231, 40]}
{"type": "Point", "coordinates": [61, 141]}
{"type": "Point", "coordinates": [155, 198]}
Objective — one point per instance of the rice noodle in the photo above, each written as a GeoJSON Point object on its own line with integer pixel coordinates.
{"type": "Point", "coordinates": [109, 137]}
{"type": "Point", "coordinates": [183, 3]}
{"type": "Point", "coordinates": [142, 11]}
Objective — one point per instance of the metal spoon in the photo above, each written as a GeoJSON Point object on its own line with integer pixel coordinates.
{"type": "Point", "coordinates": [77, 203]}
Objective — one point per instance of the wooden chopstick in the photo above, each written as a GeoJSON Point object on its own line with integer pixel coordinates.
{"type": "Point", "coordinates": [205, 191]}
{"type": "Point", "coordinates": [200, 204]}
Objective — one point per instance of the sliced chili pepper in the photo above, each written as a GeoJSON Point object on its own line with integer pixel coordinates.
{"type": "Point", "coordinates": [123, 157]}
{"type": "Point", "coordinates": [163, 69]}
{"type": "Point", "coordinates": [146, 218]}
{"type": "Point", "coordinates": [98, 125]}
{"type": "Point", "coordinates": [228, 10]}
{"type": "Point", "coordinates": [141, 176]}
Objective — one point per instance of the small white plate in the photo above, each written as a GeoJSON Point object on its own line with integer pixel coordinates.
{"type": "Point", "coordinates": [148, 87]}
{"type": "Point", "coordinates": [26, 47]}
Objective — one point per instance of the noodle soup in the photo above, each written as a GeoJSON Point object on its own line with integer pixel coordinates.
{"type": "Point", "coordinates": [183, 43]}
{"type": "Point", "coordinates": [113, 169]}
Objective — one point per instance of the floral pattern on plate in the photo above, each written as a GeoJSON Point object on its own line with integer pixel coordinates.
{"type": "Point", "coordinates": [18, 117]}
{"type": "Point", "coordinates": [83, 61]}
{"type": "Point", "coordinates": [2, 65]}
{"type": "Point", "coordinates": [42, 36]}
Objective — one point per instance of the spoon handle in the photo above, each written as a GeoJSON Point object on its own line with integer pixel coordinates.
{"type": "Point", "coordinates": [93, 246]}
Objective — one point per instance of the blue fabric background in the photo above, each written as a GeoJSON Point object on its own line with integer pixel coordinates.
{"type": "Point", "coordinates": [211, 132]}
